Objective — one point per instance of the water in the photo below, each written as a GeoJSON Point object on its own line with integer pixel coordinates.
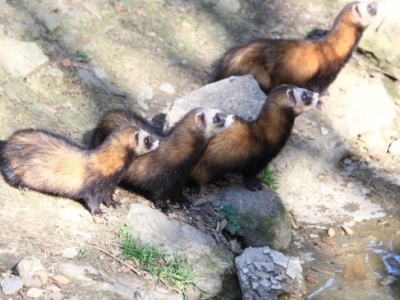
{"type": "Point", "coordinates": [362, 274]}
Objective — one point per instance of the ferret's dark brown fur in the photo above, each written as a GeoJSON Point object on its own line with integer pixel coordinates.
{"type": "Point", "coordinates": [247, 147]}
{"type": "Point", "coordinates": [49, 163]}
{"type": "Point", "coordinates": [311, 64]}
{"type": "Point", "coordinates": [162, 174]}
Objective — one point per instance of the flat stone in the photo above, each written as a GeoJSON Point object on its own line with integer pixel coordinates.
{"type": "Point", "coordinates": [47, 19]}
{"type": "Point", "coordinates": [167, 88]}
{"type": "Point", "coordinates": [70, 253]}
{"type": "Point", "coordinates": [269, 267]}
{"type": "Point", "coordinates": [11, 285]}
{"type": "Point", "coordinates": [175, 237]}
{"type": "Point", "coordinates": [78, 272]}
{"type": "Point", "coordinates": [21, 59]}
{"type": "Point", "coordinates": [34, 293]}
{"type": "Point", "coordinates": [279, 258]}
{"type": "Point", "coordinates": [32, 272]}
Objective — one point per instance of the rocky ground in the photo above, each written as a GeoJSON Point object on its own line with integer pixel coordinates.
{"type": "Point", "coordinates": [145, 54]}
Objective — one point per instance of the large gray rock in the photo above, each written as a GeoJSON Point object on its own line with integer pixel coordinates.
{"type": "Point", "coordinates": [238, 95]}
{"type": "Point", "coordinates": [210, 261]}
{"type": "Point", "coordinates": [262, 216]}
{"type": "Point", "coordinates": [264, 274]}
{"type": "Point", "coordinates": [21, 59]}
{"type": "Point", "coordinates": [381, 38]}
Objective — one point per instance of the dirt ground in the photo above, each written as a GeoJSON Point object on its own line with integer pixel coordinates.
{"type": "Point", "coordinates": [141, 45]}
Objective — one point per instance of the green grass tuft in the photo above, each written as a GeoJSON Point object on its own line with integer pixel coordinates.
{"type": "Point", "coordinates": [174, 272]}
{"type": "Point", "coordinates": [82, 56]}
{"type": "Point", "coordinates": [268, 176]}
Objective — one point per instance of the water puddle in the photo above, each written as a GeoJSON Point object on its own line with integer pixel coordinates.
{"type": "Point", "coordinates": [364, 276]}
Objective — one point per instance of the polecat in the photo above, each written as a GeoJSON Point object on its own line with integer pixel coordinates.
{"type": "Point", "coordinates": [49, 163]}
{"type": "Point", "coordinates": [162, 174]}
{"type": "Point", "coordinates": [247, 147]}
{"type": "Point", "coordinates": [311, 64]}
{"type": "Point", "coordinates": [117, 118]}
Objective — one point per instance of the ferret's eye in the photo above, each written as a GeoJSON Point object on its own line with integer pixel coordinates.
{"type": "Point", "coordinates": [217, 118]}
{"type": "Point", "coordinates": [147, 141]}
{"type": "Point", "coordinates": [372, 8]}
{"type": "Point", "coordinates": [305, 97]}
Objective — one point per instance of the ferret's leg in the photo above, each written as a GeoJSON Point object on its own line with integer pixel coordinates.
{"type": "Point", "coordinates": [93, 204]}
{"type": "Point", "coordinates": [108, 199]}
{"type": "Point", "coordinates": [180, 199]}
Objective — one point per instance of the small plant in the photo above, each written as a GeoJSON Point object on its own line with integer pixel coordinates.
{"type": "Point", "coordinates": [268, 176]}
{"type": "Point", "coordinates": [175, 273]}
{"type": "Point", "coordinates": [82, 56]}
{"type": "Point", "coordinates": [82, 253]}
{"type": "Point", "coordinates": [229, 213]}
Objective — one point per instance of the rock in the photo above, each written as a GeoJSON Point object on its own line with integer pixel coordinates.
{"type": "Point", "coordinates": [265, 274]}
{"type": "Point", "coordinates": [228, 6]}
{"type": "Point", "coordinates": [34, 293]}
{"type": "Point", "coordinates": [70, 252]}
{"type": "Point", "coordinates": [238, 95]}
{"type": "Point", "coordinates": [8, 248]}
{"type": "Point", "coordinates": [21, 59]}
{"type": "Point", "coordinates": [262, 216]}
{"type": "Point", "coordinates": [11, 285]}
{"type": "Point", "coordinates": [331, 232]}
{"type": "Point", "coordinates": [167, 88]}
{"type": "Point", "coordinates": [32, 272]}
{"type": "Point", "coordinates": [394, 148]}
{"type": "Point", "coordinates": [209, 260]}
{"type": "Point", "coordinates": [47, 19]}
{"type": "Point", "coordinates": [78, 272]}
{"type": "Point", "coordinates": [380, 38]}
{"type": "Point", "coordinates": [387, 280]}
{"type": "Point", "coordinates": [61, 279]}
{"type": "Point", "coordinates": [347, 230]}
{"type": "Point", "coordinates": [100, 73]}
{"type": "Point", "coordinates": [144, 92]}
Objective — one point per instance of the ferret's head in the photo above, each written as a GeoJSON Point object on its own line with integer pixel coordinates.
{"type": "Point", "coordinates": [362, 12]}
{"type": "Point", "coordinates": [288, 96]}
{"type": "Point", "coordinates": [144, 142]}
{"type": "Point", "coordinates": [212, 121]}
{"type": "Point", "coordinates": [134, 139]}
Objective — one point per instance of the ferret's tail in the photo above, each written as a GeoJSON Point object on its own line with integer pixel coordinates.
{"type": "Point", "coordinates": [2, 144]}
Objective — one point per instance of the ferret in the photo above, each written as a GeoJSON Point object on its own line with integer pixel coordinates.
{"type": "Point", "coordinates": [161, 174]}
{"type": "Point", "coordinates": [247, 147]}
{"type": "Point", "coordinates": [310, 64]}
{"type": "Point", "coordinates": [117, 118]}
{"type": "Point", "coordinates": [51, 164]}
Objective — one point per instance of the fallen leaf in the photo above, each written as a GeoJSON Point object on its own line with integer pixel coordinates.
{"type": "Point", "coordinates": [309, 279]}
{"type": "Point", "coordinates": [331, 232]}
{"type": "Point", "coordinates": [347, 230]}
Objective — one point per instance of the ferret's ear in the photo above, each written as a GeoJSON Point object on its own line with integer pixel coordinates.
{"type": "Point", "coordinates": [290, 96]}
{"type": "Point", "coordinates": [356, 12]}
{"type": "Point", "coordinates": [135, 140]}
{"type": "Point", "coordinates": [200, 121]}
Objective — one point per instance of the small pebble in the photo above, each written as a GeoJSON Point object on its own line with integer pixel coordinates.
{"type": "Point", "coordinates": [324, 131]}
{"type": "Point", "coordinates": [313, 236]}
{"type": "Point", "coordinates": [347, 230]}
{"type": "Point", "coordinates": [350, 185]}
{"type": "Point", "coordinates": [331, 232]}
{"type": "Point", "coordinates": [34, 293]}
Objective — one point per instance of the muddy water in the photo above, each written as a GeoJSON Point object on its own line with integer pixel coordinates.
{"type": "Point", "coordinates": [363, 275]}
